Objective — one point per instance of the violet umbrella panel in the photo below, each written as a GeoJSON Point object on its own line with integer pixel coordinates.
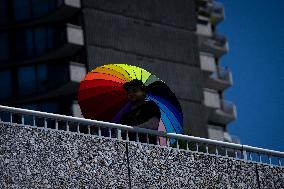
{"type": "Point", "coordinates": [102, 97]}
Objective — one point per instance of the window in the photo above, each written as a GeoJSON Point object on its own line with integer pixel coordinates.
{"type": "Point", "coordinates": [21, 45]}
{"type": "Point", "coordinates": [50, 36]}
{"type": "Point", "coordinates": [40, 7]}
{"type": "Point", "coordinates": [22, 10]}
{"type": "Point", "coordinates": [27, 80]}
{"type": "Point", "coordinates": [4, 47]}
{"type": "Point", "coordinates": [42, 77]}
{"type": "Point", "coordinates": [29, 43]}
{"type": "Point", "coordinates": [32, 79]}
{"type": "Point", "coordinates": [5, 84]}
{"type": "Point", "coordinates": [3, 12]}
{"type": "Point", "coordinates": [35, 41]}
{"type": "Point", "coordinates": [40, 40]}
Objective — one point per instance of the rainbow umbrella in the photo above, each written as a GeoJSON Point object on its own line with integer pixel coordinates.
{"type": "Point", "coordinates": [102, 97]}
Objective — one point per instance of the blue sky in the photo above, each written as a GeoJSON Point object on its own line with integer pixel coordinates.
{"type": "Point", "coordinates": [255, 31]}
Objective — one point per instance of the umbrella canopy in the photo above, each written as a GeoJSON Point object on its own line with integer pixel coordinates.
{"type": "Point", "coordinates": [102, 97]}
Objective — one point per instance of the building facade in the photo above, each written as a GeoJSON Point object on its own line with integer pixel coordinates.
{"type": "Point", "coordinates": [47, 46]}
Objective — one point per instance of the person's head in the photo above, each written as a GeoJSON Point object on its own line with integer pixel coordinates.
{"type": "Point", "coordinates": [135, 90]}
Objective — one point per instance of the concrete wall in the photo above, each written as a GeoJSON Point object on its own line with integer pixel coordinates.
{"type": "Point", "coordinates": [159, 11]}
{"type": "Point", "coordinates": [38, 158]}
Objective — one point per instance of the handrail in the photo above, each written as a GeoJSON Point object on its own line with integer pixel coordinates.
{"type": "Point", "coordinates": [241, 151]}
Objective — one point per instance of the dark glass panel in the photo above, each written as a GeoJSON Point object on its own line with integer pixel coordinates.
{"type": "Point", "coordinates": [40, 40]}
{"type": "Point", "coordinates": [27, 80]}
{"type": "Point", "coordinates": [42, 79]}
{"type": "Point", "coordinates": [22, 10]}
{"type": "Point", "coordinates": [3, 11]}
{"type": "Point", "coordinates": [5, 84]}
{"type": "Point", "coordinates": [29, 43]}
{"type": "Point", "coordinates": [21, 45]}
{"type": "Point", "coordinates": [40, 7]}
{"type": "Point", "coordinates": [4, 46]}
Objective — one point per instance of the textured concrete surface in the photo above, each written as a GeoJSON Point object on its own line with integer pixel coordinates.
{"type": "Point", "coordinates": [34, 158]}
{"type": "Point", "coordinates": [38, 158]}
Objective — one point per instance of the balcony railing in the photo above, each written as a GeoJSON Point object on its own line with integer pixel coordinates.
{"type": "Point", "coordinates": [217, 14]}
{"type": "Point", "coordinates": [223, 74]}
{"type": "Point", "coordinates": [213, 11]}
{"type": "Point", "coordinates": [48, 121]}
{"type": "Point", "coordinates": [225, 114]}
{"type": "Point", "coordinates": [220, 80]}
{"type": "Point", "coordinates": [229, 108]}
{"type": "Point", "coordinates": [217, 44]}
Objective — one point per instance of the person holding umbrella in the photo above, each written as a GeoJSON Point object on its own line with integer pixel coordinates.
{"type": "Point", "coordinates": [142, 112]}
{"type": "Point", "coordinates": [130, 95]}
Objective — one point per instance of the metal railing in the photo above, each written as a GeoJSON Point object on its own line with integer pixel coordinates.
{"type": "Point", "coordinates": [229, 107]}
{"type": "Point", "coordinates": [45, 120]}
{"type": "Point", "coordinates": [223, 74]}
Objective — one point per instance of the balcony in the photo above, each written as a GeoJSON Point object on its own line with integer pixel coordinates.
{"type": "Point", "coordinates": [225, 114]}
{"type": "Point", "coordinates": [204, 29]}
{"type": "Point", "coordinates": [219, 80]}
{"type": "Point", "coordinates": [217, 44]}
{"type": "Point", "coordinates": [40, 12]}
{"type": "Point", "coordinates": [56, 80]}
{"type": "Point", "coordinates": [207, 64]}
{"type": "Point", "coordinates": [217, 13]}
{"type": "Point", "coordinates": [211, 99]}
{"type": "Point", "coordinates": [216, 132]}
{"type": "Point", "coordinates": [212, 12]}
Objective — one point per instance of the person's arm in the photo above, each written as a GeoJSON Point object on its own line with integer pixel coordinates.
{"type": "Point", "coordinates": [152, 123]}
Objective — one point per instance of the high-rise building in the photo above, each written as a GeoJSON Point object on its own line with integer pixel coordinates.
{"type": "Point", "coordinates": [47, 46]}
{"type": "Point", "coordinates": [217, 78]}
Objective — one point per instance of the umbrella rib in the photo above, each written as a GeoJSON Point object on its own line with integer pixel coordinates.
{"type": "Point", "coordinates": [124, 70]}
{"type": "Point", "coordinates": [169, 119]}
{"type": "Point", "coordinates": [109, 75]}
{"type": "Point", "coordinates": [148, 78]}
{"type": "Point", "coordinates": [118, 71]}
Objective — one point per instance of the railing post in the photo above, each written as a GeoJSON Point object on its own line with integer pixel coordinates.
{"type": "Point", "coordinates": [89, 129]}
{"type": "Point", "coordinates": [137, 137]}
{"type": "Point", "coordinates": [56, 124]}
{"type": "Point", "coordinates": [245, 157]}
{"type": "Point", "coordinates": [34, 122]}
{"type": "Point", "coordinates": [197, 146]}
{"type": "Point", "coordinates": [226, 152]}
{"type": "Point", "coordinates": [100, 132]}
{"type": "Point", "coordinates": [206, 147]}
{"type": "Point", "coordinates": [259, 156]}
{"type": "Point", "coordinates": [22, 119]}
{"type": "Point", "coordinates": [216, 151]}
{"type": "Point", "coordinates": [127, 136]}
{"type": "Point", "coordinates": [187, 148]}
{"type": "Point", "coordinates": [269, 158]}
{"type": "Point", "coordinates": [11, 117]}
{"type": "Point", "coordinates": [45, 123]}
{"type": "Point", "coordinates": [78, 128]}
{"type": "Point", "coordinates": [177, 146]}
{"type": "Point", "coordinates": [118, 134]}
{"type": "Point", "coordinates": [67, 126]}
